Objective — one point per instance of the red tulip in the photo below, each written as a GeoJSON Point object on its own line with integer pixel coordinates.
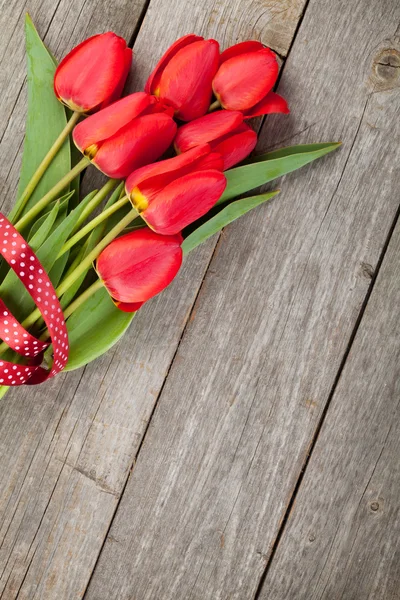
{"type": "Point", "coordinates": [126, 135]}
{"type": "Point", "coordinates": [182, 78]}
{"type": "Point", "coordinates": [246, 76]}
{"type": "Point", "coordinates": [225, 132]}
{"type": "Point", "coordinates": [173, 193]}
{"type": "Point", "coordinates": [137, 266]}
{"type": "Point", "coordinates": [93, 74]}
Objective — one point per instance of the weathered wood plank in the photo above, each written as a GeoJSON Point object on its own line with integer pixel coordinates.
{"type": "Point", "coordinates": [342, 539]}
{"type": "Point", "coordinates": [67, 447]}
{"type": "Point", "coordinates": [271, 325]}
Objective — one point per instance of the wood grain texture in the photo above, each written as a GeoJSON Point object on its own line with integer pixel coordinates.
{"type": "Point", "coordinates": [272, 23]}
{"type": "Point", "coordinates": [67, 447]}
{"type": "Point", "coordinates": [342, 539]}
{"type": "Point", "coordinates": [271, 325]}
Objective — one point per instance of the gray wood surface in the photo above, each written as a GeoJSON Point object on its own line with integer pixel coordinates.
{"type": "Point", "coordinates": [271, 325]}
{"type": "Point", "coordinates": [67, 447]}
{"type": "Point", "coordinates": [342, 539]}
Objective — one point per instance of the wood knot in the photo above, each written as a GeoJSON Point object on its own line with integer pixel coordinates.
{"type": "Point", "coordinates": [367, 270]}
{"type": "Point", "coordinates": [386, 69]}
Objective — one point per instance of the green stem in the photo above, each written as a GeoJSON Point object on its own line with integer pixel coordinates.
{"type": "Point", "coordinates": [77, 303]}
{"type": "Point", "coordinates": [40, 171]}
{"type": "Point", "coordinates": [52, 194]}
{"type": "Point", "coordinates": [214, 106]}
{"type": "Point", "coordinates": [78, 258]}
{"type": "Point", "coordinates": [92, 224]}
{"type": "Point", "coordinates": [95, 201]}
{"type": "Point", "coordinates": [87, 261]}
{"type": "Point", "coordinates": [82, 298]}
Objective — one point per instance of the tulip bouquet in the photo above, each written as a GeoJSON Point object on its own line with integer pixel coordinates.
{"type": "Point", "coordinates": [75, 270]}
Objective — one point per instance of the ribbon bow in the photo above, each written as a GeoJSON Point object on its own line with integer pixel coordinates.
{"type": "Point", "coordinates": [27, 267]}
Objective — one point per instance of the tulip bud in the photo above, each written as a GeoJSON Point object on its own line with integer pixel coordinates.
{"type": "Point", "coordinates": [246, 76]}
{"type": "Point", "coordinates": [126, 135]}
{"type": "Point", "coordinates": [183, 76]}
{"type": "Point", "coordinates": [93, 74]}
{"type": "Point", "coordinates": [137, 266]}
{"type": "Point", "coordinates": [224, 131]}
{"type": "Point", "coordinates": [173, 193]}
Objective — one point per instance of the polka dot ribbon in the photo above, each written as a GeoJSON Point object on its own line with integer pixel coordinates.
{"type": "Point", "coordinates": [26, 265]}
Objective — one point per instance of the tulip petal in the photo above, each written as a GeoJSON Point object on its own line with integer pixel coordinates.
{"type": "Point", "coordinates": [272, 103]}
{"type": "Point", "coordinates": [236, 146]}
{"type": "Point", "coordinates": [153, 81]}
{"type": "Point", "coordinates": [213, 161]}
{"type": "Point", "coordinates": [159, 174]}
{"type": "Point", "coordinates": [241, 48]}
{"type": "Point", "coordinates": [128, 55]}
{"type": "Point", "coordinates": [139, 265]}
{"type": "Point", "coordinates": [206, 129]}
{"type": "Point", "coordinates": [185, 82]}
{"type": "Point", "coordinates": [110, 120]}
{"type": "Point", "coordinates": [159, 106]}
{"type": "Point", "coordinates": [184, 201]}
{"type": "Point", "coordinates": [87, 76]}
{"type": "Point", "coordinates": [242, 81]}
{"type": "Point", "coordinates": [140, 142]}
{"type": "Point", "coordinates": [128, 306]}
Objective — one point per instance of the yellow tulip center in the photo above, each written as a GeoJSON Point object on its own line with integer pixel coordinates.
{"type": "Point", "coordinates": [91, 151]}
{"type": "Point", "coordinates": [139, 201]}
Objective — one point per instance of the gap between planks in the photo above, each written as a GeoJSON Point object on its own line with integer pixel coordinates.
{"type": "Point", "coordinates": [321, 421]}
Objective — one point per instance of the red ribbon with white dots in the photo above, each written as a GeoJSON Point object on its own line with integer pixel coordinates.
{"type": "Point", "coordinates": [26, 265]}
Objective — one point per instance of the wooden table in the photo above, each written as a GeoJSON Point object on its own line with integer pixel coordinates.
{"type": "Point", "coordinates": [242, 441]}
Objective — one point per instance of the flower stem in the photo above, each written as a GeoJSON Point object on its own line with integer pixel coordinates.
{"type": "Point", "coordinates": [95, 201]}
{"type": "Point", "coordinates": [82, 298]}
{"type": "Point", "coordinates": [77, 303]}
{"type": "Point", "coordinates": [37, 176]}
{"type": "Point", "coordinates": [92, 224]}
{"type": "Point", "coordinates": [87, 261]}
{"type": "Point", "coordinates": [68, 312]}
{"type": "Point", "coordinates": [214, 106]}
{"type": "Point", "coordinates": [52, 194]}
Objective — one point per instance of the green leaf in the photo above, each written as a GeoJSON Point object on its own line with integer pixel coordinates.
{"type": "Point", "coordinates": [94, 328]}
{"type": "Point", "coordinates": [46, 119]}
{"type": "Point", "coordinates": [62, 209]}
{"type": "Point", "coordinates": [267, 167]}
{"type": "Point", "coordinates": [40, 233]}
{"type": "Point", "coordinates": [3, 390]}
{"type": "Point", "coordinates": [57, 269]}
{"type": "Point", "coordinates": [233, 211]}
{"type": "Point", "coordinates": [48, 252]}
{"type": "Point", "coordinates": [291, 150]}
